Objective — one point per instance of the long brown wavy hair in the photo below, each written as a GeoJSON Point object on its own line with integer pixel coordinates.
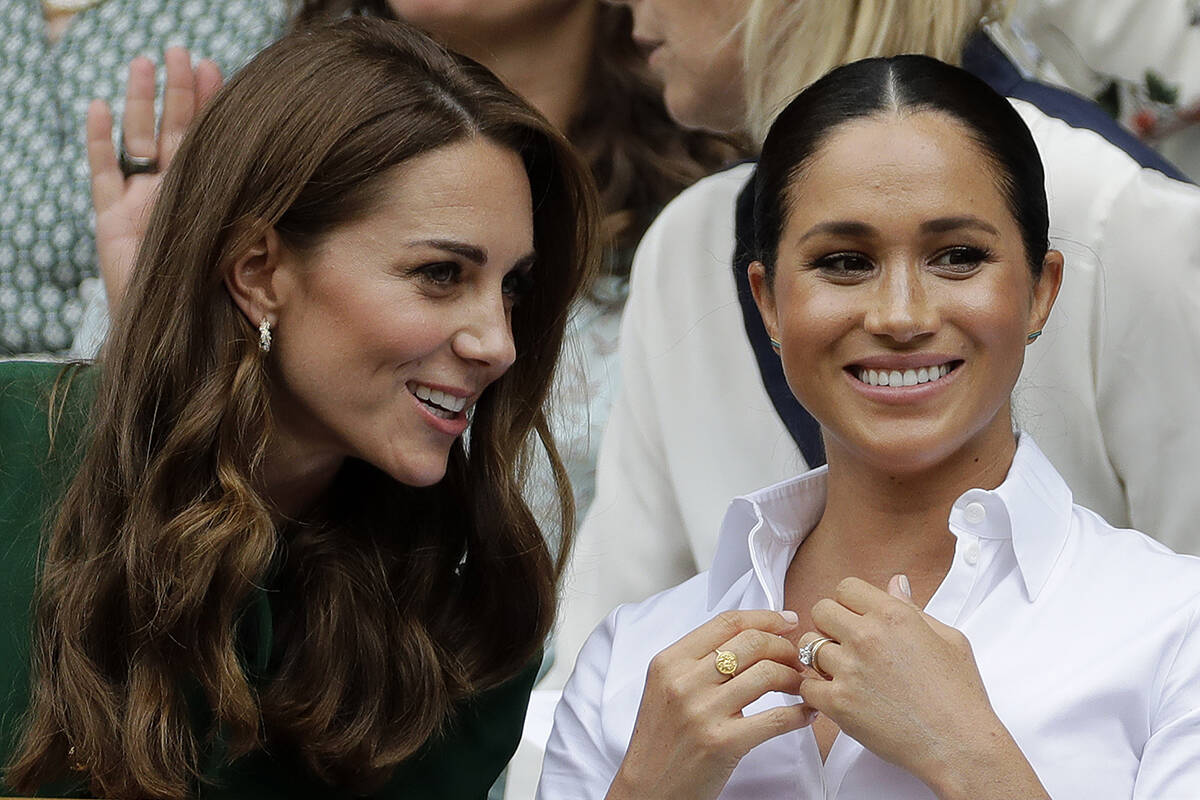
{"type": "Point", "coordinates": [639, 157]}
{"type": "Point", "coordinates": [390, 603]}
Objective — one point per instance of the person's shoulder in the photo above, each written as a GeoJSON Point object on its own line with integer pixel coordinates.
{"type": "Point", "coordinates": [712, 198]}
{"type": "Point", "coordinates": [1140, 568]}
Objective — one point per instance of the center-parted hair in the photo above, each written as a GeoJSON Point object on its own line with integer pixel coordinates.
{"type": "Point", "coordinates": [900, 85]}
{"type": "Point", "coordinates": [390, 604]}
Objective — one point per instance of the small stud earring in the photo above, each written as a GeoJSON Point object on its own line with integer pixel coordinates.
{"type": "Point", "coordinates": [1033, 336]}
{"type": "Point", "coordinates": [264, 335]}
{"type": "Point", "coordinates": [775, 344]}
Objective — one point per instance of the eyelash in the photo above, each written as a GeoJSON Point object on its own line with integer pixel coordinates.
{"type": "Point", "coordinates": [974, 256]}
{"type": "Point", "coordinates": [444, 274]}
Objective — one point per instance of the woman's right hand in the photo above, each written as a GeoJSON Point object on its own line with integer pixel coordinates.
{"type": "Point", "coordinates": [123, 202]}
{"type": "Point", "coordinates": [690, 732]}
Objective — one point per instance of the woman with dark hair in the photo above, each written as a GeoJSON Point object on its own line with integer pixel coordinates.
{"type": "Point", "coordinates": [992, 640]}
{"type": "Point", "coordinates": [273, 563]}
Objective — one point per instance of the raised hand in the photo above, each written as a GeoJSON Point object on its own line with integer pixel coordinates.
{"type": "Point", "coordinates": [690, 732]}
{"type": "Point", "coordinates": [907, 687]}
{"type": "Point", "coordinates": [123, 191]}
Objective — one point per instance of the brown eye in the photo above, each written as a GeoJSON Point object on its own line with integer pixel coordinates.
{"type": "Point", "coordinates": [961, 259]}
{"type": "Point", "coordinates": [440, 274]}
{"type": "Point", "coordinates": [844, 264]}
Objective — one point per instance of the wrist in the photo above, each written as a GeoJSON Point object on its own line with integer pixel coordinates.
{"type": "Point", "coordinates": [987, 764]}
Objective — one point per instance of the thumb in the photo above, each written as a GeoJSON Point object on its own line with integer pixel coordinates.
{"type": "Point", "coordinates": [900, 588]}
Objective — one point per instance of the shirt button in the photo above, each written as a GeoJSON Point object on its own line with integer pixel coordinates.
{"type": "Point", "coordinates": [975, 513]}
{"type": "Point", "coordinates": [971, 554]}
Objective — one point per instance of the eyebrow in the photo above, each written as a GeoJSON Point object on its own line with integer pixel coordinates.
{"type": "Point", "coordinates": [473, 253]}
{"type": "Point", "coordinates": [862, 230]}
{"type": "Point", "coordinates": [946, 224]}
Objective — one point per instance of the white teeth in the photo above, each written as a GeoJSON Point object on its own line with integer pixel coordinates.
{"type": "Point", "coordinates": [909, 377]}
{"type": "Point", "coordinates": [440, 401]}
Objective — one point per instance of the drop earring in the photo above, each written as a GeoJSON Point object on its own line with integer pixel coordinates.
{"type": "Point", "coordinates": [264, 335]}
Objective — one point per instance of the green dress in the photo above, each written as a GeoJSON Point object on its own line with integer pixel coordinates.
{"type": "Point", "coordinates": [462, 763]}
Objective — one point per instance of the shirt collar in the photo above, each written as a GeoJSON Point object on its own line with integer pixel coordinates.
{"type": "Point", "coordinates": [762, 530]}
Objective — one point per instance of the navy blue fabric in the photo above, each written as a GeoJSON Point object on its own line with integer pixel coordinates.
{"type": "Point", "coordinates": [800, 424]}
{"type": "Point", "coordinates": [982, 58]}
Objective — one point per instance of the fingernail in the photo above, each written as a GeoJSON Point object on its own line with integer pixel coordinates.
{"type": "Point", "coordinates": [790, 617]}
{"type": "Point", "coordinates": [904, 587]}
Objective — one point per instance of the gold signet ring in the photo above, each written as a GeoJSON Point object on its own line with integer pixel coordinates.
{"type": "Point", "coordinates": [726, 662]}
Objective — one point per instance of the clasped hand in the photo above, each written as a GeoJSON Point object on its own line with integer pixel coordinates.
{"type": "Point", "coordinates": [900, 682]}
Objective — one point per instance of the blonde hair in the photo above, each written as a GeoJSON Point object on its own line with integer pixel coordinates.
{"type": "Point", "coordinates": [788, 44]}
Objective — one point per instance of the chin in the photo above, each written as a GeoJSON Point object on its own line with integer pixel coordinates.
{"type": "Point", "coordinates": [417, 475]}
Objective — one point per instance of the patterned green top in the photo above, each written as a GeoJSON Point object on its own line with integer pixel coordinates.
{"type": "Point", "coordinates": [461, 764]}
{"type": "Point", "coordinates": [47, 247]}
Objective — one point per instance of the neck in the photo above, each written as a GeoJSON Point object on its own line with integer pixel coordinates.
{"type": "Point", "coordinates": [296, 474]}
{"type": "Point", "coordinates": [546, 61]}
{"type": "Point", "coordinates": [880, 521]}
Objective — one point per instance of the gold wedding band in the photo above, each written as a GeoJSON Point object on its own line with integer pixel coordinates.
{"type": "Point", "coordinates": [727, 662]}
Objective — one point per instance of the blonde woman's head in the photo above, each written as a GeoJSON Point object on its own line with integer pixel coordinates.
{"type": "Point", "coordinates": [732, 65]}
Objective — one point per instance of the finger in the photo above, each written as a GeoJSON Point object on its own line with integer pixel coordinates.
{"type": "Point", "coordinates": [179, 102]}
{"type": "Point", "coordinates": [107, 181]}
{"type": "Point", "coordinates": [819, 695]}
{"type": "Point", "coordinates": [750, 647]}
{"type": "Point", "coordinates": [720, 629]}
{"type": "Point", "coordinates": [758, 679]}
{"type": "Point", "coordinates": [208, 81]}
{"type": "Point", "coordinates": [860, 596]}
{"type": "Point", "coordinates": [138, 123]}
{"type": "Point", "coordinates": [899, 588]}
{"type": "Point", "coordinates": [757, 728]}
{"type": "Point", "coordinates": [834, 620]}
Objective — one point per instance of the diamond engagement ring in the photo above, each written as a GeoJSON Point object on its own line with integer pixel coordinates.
{"type": "Point", "coordinates": [808, 655]}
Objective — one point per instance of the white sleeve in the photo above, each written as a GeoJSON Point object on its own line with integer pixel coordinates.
{"type": "Point", "coordinates": [577, 765]}
{"type": "Point", "coordinates": [633, 541]}
{"type": "Point", "coordinates": [1170, 762]}
{"type": "Point", "coordinates": [1148, 349]}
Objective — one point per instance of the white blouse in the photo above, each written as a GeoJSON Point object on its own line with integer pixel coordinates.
{"type": "Point", "coordinates": [1108, 615]}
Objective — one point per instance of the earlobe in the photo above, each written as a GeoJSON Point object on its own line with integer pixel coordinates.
{"type": "Point", "coordinates": [764, 298]}
{"type": "Point", "coordinates": [253, 279]}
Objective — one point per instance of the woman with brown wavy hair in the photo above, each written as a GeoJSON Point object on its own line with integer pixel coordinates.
{"type": "Point", "coordinates": [279, 567]}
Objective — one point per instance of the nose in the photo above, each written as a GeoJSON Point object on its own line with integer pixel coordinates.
{"type": "Point", "coordinates": [900, 307]}
{"type": "Point", "coordinates": [485, 337]}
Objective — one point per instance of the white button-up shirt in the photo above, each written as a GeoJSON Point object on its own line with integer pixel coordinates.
{"type": "Point", "coordinates": [1085, 636]}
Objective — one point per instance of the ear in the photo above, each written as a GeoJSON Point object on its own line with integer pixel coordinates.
{"type": "Point", "coordinates": [255, 279]}
{"type": "Point", "coordinates": [764, 297]}
{"type": "Point", "coordinates": [1045, 289]}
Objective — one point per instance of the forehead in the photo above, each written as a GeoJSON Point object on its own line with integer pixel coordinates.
{"type": "Point", "coordinates": [896, 168]}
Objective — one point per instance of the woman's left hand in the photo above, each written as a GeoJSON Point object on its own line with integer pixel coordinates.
{"type": "Point", "coordinates": [907, 687]}
{"type": "Point", "coordinates": [122, 202]}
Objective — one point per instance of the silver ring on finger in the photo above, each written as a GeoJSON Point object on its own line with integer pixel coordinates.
{"type": "Point", "coordinates": [808, 655]}
{"type": "Point", "coordinates": [135, 165]}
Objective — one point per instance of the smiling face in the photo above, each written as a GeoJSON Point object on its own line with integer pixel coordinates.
{"type": "Point", "coordinates": [902, 294]}
{"type": "Point", "coordinates": [694, 46]}
{"type": "Point", "coordinates": [391, 329]}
